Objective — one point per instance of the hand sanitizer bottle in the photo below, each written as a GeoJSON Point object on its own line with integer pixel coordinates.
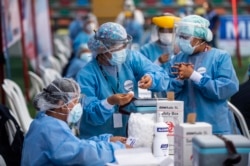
{"type": "Point", "coordinates": [160, 142]}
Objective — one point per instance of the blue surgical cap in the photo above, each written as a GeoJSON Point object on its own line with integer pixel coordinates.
{"type": "Point", "coordinates": [108, 36]}
{"type": "Point", "coordinates": [196, 26]}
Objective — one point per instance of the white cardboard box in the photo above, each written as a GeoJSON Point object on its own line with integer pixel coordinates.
{"type": "Point", "coordinates": [183, 141]}
{"type": "Point", "coordinates": [173, 114]}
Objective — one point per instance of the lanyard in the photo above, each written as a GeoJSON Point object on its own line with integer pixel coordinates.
{"type": "Point", "coordinates": [114, 90]}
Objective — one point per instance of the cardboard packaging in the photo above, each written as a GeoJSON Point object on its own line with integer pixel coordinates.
{"type": "Point", "coordinates": [183, 141]}
{"type": "Point", "coordinates": [173, 114]}
{"type": "Point", "coordinates": [210, 150]}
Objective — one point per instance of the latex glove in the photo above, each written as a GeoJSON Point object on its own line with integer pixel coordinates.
{"type": "Point", "coordinates": [120, 99]}
{"type": "Point", "coordinates": [163, 58]}
{"type": "Point", "coordinates": [185, 70]}
{"type": "Point", "coordinates": [145, 82]}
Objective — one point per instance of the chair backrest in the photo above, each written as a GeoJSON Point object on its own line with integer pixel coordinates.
{"type": "Point", "coordinates": [55, 63]}
{"type": "Point", "coordinates": [10, 102]}
{"type": "Point", "coordinates": [49, 75]}
{"type": "Point", "coordinates": [241, 119]}
{"type": "Point", "coordinates": [36, 83]}
{"type": "Point", "coordinates": [19, 103]}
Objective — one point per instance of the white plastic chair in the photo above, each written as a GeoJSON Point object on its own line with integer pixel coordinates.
{"type": "Point", "coordinates": [36, 84]}
{"type": "Point", "coordinates": [19, 103]}
{"type": "Point", "coordinates": [49, 75]}
{"type": "Point", "coordinates": [241, 119]}
{"type": "Point", "coordinates": [11, 102]}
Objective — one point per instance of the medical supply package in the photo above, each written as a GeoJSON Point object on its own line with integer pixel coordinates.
{"type": "Point", "coordinates": [172, 112]}
{"type": "Point", "coordinates": [184, 133]}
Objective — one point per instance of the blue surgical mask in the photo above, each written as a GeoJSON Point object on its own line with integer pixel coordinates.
{"type": "Point", "coordinates": [75, 114]}
{"type": "Point", "coordinates": [185, 46]}
{"type": "Point", "coordinates": [86, 57]}
{"type": "Point", "coordinates": [118, 57]}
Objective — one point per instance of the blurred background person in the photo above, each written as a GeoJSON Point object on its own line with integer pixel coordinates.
{"type": "Point", "coordinates": [133, 28]}
{"type": "Point", "coordinates": [129, 6]}
{"type": "Point", "coordinates": [214, 20]}
{"type": "Point", "coordinates": [83, 56]}
{"type": "Point", "coordinates": [50, 141]}
{"type": "Point", "coordinates": [110, 81]}
{"type": "Point", "coordinates": [89, 24]}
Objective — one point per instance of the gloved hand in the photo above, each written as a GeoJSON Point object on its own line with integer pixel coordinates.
{"type": "Point", "coordinates": [120, 99]}
{"type": "Point", "coordinates": [163, 58]}
{"type": "Point", "coordinates": [145, 82]}
{"type": "Point", "coordinates": [185, 70]}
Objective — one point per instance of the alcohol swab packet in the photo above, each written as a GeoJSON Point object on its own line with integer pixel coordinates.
{"type": "Point", "coordinates": [131, 141]}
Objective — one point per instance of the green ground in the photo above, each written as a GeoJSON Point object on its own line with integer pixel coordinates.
{"type": "Point", "coordinates": [17, 76]}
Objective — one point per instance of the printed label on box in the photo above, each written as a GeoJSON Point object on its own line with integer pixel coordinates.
{"type": "Point", "coordinates": [173, 114]}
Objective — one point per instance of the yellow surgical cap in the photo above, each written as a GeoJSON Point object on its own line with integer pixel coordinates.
{"type": "Point", "coordinates": [165, 21]}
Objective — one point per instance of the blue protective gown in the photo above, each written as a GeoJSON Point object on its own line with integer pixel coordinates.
{"type": "Point", "coordinates": [208, 98]}
{"type": "Point", "coordinates": [50, 141]}
{"type": "Point", "coordinates": [96, 118]}
{"type": "Point", "coordinates": [75, 65]}
{"type": "Point", "coordinates": [75, 28]}
{"type": "Point", "coordinates": [81, 38]}
{"type": "Point", "coordinates": [153, 51]}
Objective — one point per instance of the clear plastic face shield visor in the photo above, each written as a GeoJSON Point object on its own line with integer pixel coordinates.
{"type": "Point", "coordinates": [184, 31]}
{"type": "Point", "coordinates": [113, 45]}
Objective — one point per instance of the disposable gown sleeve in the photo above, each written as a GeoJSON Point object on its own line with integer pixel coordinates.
{"type": "Point", "coordinates": [102, 137]}
{"type": "Point", "coordinates": [142, 66]}
{"type": "Point", "coordinates": [224, 82]}
{"type": "Point", "coordinates": [73, 151]}
{"type": "Point", "coordinates": [95, 112]}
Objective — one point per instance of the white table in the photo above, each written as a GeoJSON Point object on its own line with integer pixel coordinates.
{"type": "Point", "coordinates": [140, 157]}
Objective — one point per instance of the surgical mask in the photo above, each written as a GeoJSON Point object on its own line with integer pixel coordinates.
{"type": "Point", "coordinates": [185, 46]}
{"type": "Point", "coordinates": [86, 57]}
{"type": "Point", "coordinates": [75, 114]}
{"type": "Point", "coordinates": [165, 38]}
{"type": "Point", "coordinates": [118, 57]}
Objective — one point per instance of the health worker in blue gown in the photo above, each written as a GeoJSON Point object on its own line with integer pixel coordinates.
{"type": "Point", "coordinates": [89, 24]}
{"type": "Point", "coordinates": [161, 50]}
{"type": "Point", "coordinates": [204, 76]}
{"type": "Point", "coordinates": [111, 80]}
{"type": "Point", "coordinates": [50, 141]}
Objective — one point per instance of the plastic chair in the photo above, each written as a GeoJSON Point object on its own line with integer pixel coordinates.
{"type": "Point", "coordinates": [15, 94]}
{"type": "Point", "coordinates": [48, 75]}
{"type": "Point", "coordinates": [36, 83]}
{"type": "Point", "coordinates": [10, 103]}
{"type": "Point", "coordinates": [241, 119]}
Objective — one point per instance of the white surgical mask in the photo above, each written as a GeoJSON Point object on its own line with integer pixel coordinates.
{"type": "Point", "coordinates": [75, 114]}
{"type": "Point", "coordinates": [118, 57]}
{"type": "Point", "coordinates": [86, 57]}
{"type": "Point", "coordinates": [165, 38]}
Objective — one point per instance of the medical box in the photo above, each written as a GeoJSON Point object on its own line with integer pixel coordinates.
{"type": "Point", "coordinates": [172, 112]}
{"type": "Point", "coordinates": [184, 133]}
{"type": "Point", "coordinates": [210, 150]}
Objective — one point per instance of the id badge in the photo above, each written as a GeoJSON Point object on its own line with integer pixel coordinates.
{"type": "Point", "coordinates": [117, 120]}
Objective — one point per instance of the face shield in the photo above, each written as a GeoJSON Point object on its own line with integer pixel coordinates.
{"type": "Point", "coordinates": [183, 35]}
